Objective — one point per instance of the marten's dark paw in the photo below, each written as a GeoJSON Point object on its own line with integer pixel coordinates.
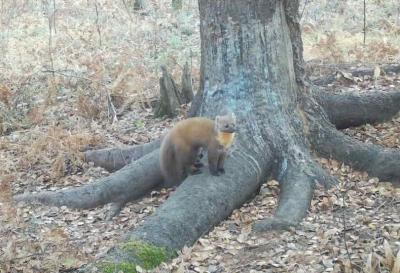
{"type": "Point", "coordinates": [198, 164]}
{"type": "Point", "coordinates": [195, 171]}
{"type": "Point", "coordinates": [215, 172]}
{"type": "Point", "coordinates": [221, 170]}
{"type": "Point", "coordinates": [200, 155]}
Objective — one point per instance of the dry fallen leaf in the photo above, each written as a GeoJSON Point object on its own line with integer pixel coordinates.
{"type": "Point", "coordinates": [396, 266]}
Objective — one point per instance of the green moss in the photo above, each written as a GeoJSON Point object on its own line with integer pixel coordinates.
{"type": "Point", "coordinates": [149, 256]}
{"type": "Point", "coordinates": [108, 267]}
{"type": "Point", "coordinates": [145, 255]}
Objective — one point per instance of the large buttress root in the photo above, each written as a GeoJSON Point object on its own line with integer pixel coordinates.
{"type": "Point", "coordinates": [198, 204]}
{"type": "Point", "coordinates": [115, 158]}
{"type": "Point", "coordinates": [350, 109]}
{"type": "Point", "coordinates": [376, 160]}
{"type": "Point", "coordinates": [127, 184]}
{"type": "Point", "coordinates": [296, 182]}
{"type": "Point", "coordinates": [329, 142]}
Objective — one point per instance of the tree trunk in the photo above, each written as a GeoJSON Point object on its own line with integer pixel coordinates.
{"type": "Point", "coordinates": [186, 83]}
{"type": "Point", "coordinates": [347, 110]}
{"type": "Point", "coordinates": [176, 4]}
{"type": "Point", "coordinates": [170, 96]}
{"type": "Point", "coordinates": [252, 64]}
{"type": "Point", "coordinates": [139, 4]}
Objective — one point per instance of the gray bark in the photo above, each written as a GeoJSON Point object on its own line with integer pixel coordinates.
{"type": "Point", "coordinates": [351, 109]}
{"type": "Point", "coordinates": [139, 4]}
{"type": "Point", "coordinates": [115, 158]}
{"type": "Point", "coordinates": [376, 160]}
{"type": "Point", "coordinates": [186, 82]}
{"type": "Point", "coordinates": [128, 184]}
{"type": "Point", "coordinates": [170, 99]}
{"type": "Point", "coordinates": [176, 4]}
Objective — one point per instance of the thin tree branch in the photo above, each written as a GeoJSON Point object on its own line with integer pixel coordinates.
{"type": "Point", "coordinates": [97, 21]}
{"type": "Point", "coordinates": [304, 8]}
{"type": "Point", "coordinates": [54, 16]}
{"type": "Point", "coordinates": [343, 219]}
{"type": "Point", "coordinates": [365, 22]}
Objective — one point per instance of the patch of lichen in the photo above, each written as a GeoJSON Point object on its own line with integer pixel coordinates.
{"type": "Point", "coordinates": [109, 267]}
{"type": "Point", "coordinates": [148, 256]}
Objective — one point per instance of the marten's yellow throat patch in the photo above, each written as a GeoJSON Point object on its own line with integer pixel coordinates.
{"type": "Point", "coordinates": [225, 139]}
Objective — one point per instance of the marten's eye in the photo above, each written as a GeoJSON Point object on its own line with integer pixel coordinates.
{"type": "Point", "coordinates": [226, 126]}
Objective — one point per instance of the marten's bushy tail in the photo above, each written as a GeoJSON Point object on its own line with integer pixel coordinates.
{"type": "Point", "coordinates": [169, 163]}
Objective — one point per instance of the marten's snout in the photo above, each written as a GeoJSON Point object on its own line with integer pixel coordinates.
{"type": "Point", "coordinates": [229, 128]}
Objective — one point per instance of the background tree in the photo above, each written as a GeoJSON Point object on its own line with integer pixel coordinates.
{"type": "Point", "coordinates": [252, 63]}
{"type": "Point", "coordinates": [177, 4]}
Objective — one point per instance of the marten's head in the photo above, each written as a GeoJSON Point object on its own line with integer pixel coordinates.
{"type": "Point", "coordinates": [226, 123]}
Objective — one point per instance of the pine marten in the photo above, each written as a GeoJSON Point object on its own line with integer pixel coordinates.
{"type": "Point", "coordinates": [180, 147]}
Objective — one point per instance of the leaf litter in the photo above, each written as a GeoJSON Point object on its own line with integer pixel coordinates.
{"type": "Point", "coordinates": [354, 227]}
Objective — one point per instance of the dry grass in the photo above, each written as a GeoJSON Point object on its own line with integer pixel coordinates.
{"type": "Point", "coordinates": [59, 146]}
{"type": "Point", "coordinates": [81, 50]}
{"type": "Point", "coordinates": [333, 31]}
{"type": "Point", "coordinates": [36, 41]}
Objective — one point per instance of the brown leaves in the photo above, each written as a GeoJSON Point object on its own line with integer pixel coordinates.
{"type": "Point", "coordinates": [396, 265]}
{"type": "Point", "coordinates": [90, 107]}
{"type": "Point", "coordinates": [5, 94]}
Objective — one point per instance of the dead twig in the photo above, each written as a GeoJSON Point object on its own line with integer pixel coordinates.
{"type": "Point", "coordinates": [343, 192]}
{"type": "Point", "coordinates": [127, 10]}
{"type": "Point", "coordinates": [112, 113]}
{"type": "Point", "coordinates": [50, 44]}
{"type": "Point", "coordinates": [365, 22]}
{"type": "Point", "coordinates": [304, 8]}
{"type": "Point", "coordinates": [54, 16]}
{"type": "Point", "coordinates": [59, 72]}
{"type": "Point", "coordinates": [97, 21]}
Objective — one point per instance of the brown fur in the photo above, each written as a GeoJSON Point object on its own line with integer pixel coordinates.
{"type": "Point", "coordinates": [180, 147]}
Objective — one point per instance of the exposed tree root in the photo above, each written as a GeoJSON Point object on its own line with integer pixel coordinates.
{"type": "Point", "coordinates": [115, 158]}
{"type": "Point", "coordinates": [358, 72]}
{"type": "Point", "coordinates": [350, 109]}
{"type": "Point", "coordinates": [376, 160]}
{"type": "Point", "coordinates": [127, 184]}
{"type": "Point", "coordinates": [201, 202]}
{"type": "Point", "coordinates": [343, 110]}
{"type": "Point", "coordinates": [296, 184]}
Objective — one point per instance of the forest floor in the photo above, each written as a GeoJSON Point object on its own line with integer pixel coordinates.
{"type": "Point", "coordinates": [355, 226]}
{"type": "Point", "coordinates": [56, 71]}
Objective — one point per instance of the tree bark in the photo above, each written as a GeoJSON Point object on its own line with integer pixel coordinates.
{"type": "Point", "coordinates": [186, 82]}
{"type": "Point", "coordinates": [115, 158]}
{"type": "Point", "coordinates": [170, 97]}
{"type": "Point", "coordinates": [176, 4]}
{"type": "Point", "coordinates": [351, 109]}
{"type": "Point", "coordinates": [139, 4]}
{"type": "Point", "coordinates": [128, 184]}
{"type": "Point", "coordinates": [271, 139]}
{"type": "Point", "coordinates": [252, 64]}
